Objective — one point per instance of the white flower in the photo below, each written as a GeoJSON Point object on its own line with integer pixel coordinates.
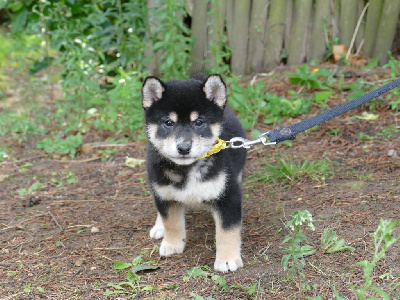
{"type": "Point", "coordinates": [101, 70]}
{"type": "Point", "coordinates": [130, 30]}
{"type": "Point", "coordinates": [83, 45]}
{"type": "Point", "coordinates": [43, 30]}
{"type": "Point", "coordinates": [91, 49]}
{"type": "Point", "coordinates": [78, 41]}
{"type": "Point", "coordinates": [122, 80]}
{"type": "Point", "coordinates": [43, 43]}
{"type": "Point", "coordinates": [92, 111]}
{"type": "Point", "coordinates": [118, 55]}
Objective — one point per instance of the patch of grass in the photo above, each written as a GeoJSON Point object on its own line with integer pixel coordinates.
{"type": "Point", "coordinates": [288, 170]}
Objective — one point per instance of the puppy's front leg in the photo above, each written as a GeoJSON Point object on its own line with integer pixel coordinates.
{"type": "Point", "coordinates": [228, 243]}
{"type": "Point", "coordinates": [174, 230]}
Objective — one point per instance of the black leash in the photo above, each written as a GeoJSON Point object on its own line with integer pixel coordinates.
{"type": "Point", "coordinates": [289, 133]}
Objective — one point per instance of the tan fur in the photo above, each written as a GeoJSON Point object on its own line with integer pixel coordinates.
{"type": "Point", "coordinates": [173, 116]}
{"type": "Point", "coordinates": [174, 231]}
{"type": "Point", "coordinates": [228, 244]}
{"type": "Point", "coordinates": [194, 116]}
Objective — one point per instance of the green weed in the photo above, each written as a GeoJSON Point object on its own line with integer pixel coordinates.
{"type": "Point", "coordinates": [32, 189]}
{"type": "Point", "coordinates": [309, 79]}
{"type": "Point", "coordinates": [172, 39]}
{"type": "Point", "coordinates": [203, 272]}
{"type": "Point", "coordinates": [133, 284]}
{"type": "Point", "coordinates": [69, 145]}
{"type": "Point", "coordinates": [394, 66]}
{"type": "Point", "coordinates": [331, 243]}
{"type": "Point", "coordinates": [252, 103]}
{"type": "Point", "coordinates": [295, 252]}
{"type": "Point", "coordinates": [382, 239]}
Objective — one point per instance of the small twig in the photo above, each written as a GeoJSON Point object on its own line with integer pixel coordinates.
{"type": "Point", "coordinates": [105, 145]}
{"type": "Point", "coordinates": [20, 160]}
{"type": "Point", "coordinates": [76, 161]}
{"type": "Point", "coordinates": [356, 31]}
{"type": "Point", "coordinates": [55, 220]}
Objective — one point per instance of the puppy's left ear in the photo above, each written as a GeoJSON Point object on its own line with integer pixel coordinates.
{"type": "Point", "coordinates": [215, 90]}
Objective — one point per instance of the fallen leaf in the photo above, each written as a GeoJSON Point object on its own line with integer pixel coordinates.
{"type": "Point", "coordinates": [368, 116]}
{"type": "Point", "coordinates": [86, 148]}
{"type": "Point", "coordinates": [3, 177]}
{"type": "Point", "coordinates": [133, 162]}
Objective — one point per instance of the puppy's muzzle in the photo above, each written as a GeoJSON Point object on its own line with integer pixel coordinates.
{"type": "Point", "coordinates": [184, 148]}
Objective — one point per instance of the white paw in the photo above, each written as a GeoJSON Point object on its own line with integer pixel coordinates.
{"type": "Point", "coordinates": [167, 249]}
{"type": "Point", "coordinates": [157, 232]}
{"type": "Point", "coordinates": [228, 265]}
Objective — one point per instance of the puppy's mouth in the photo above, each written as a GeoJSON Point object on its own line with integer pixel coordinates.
{"type": "Point", "coordinates": [183, 159]}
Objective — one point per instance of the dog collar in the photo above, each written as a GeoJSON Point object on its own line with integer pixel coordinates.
{"type": "Point", "coordinates": [221, 144]}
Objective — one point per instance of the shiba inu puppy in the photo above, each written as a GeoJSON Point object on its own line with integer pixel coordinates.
{"type": "Point", "coordinates": [184, 119]}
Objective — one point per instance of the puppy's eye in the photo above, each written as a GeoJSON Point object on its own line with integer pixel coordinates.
{"type": "Point", "coordinates": [169, 123]}
{"type": "Point", "coordinates": [198, 122]}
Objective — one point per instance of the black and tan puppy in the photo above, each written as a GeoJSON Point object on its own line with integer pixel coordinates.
{"type": "Point", "coordinates": [184, 119]}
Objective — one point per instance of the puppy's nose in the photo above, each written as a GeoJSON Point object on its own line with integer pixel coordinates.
{"type": "Point", "coordinates": [184, 149]}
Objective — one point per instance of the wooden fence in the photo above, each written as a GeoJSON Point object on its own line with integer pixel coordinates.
{"type": "Point", "coordinates": [264, 33]}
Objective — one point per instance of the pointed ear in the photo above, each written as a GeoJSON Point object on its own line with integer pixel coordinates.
{"type": "Point", "coordinates": [151, 91]}
{"type": "Point", "coordinates": [215, 90]}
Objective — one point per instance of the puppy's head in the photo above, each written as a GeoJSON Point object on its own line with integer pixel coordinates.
{"type": "Point", "coordinates": [183, 117]}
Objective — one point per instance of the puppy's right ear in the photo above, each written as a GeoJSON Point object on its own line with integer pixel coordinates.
{"type": "Point", "coordinates": [151, 91]}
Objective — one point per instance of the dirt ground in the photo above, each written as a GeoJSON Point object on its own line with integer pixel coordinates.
{"type": "Point", "coordinates": [61, 241]}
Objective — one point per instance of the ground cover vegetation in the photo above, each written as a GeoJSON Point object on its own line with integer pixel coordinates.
{"type": "Point", "coordinates": [75, 207]}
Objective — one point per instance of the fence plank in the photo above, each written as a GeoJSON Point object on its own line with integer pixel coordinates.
{"type": "Point", "coordinates": [288, 25]}
{"type": "Point", "coordinates": [152, 65]}
{"type": "Point", "coordinates": [371, 27]}
{"type": "Point", "coordinates": [386, 30]}
{"type": "Point", "coordinates": [275, 33]}
{"type": "Point", "coordinates": [298, 36]}
{"type": "Point", "coordinates": [348, 21]}
{"type": "Point", "coordinates": [240, 27]}
{"type": "Point", "coordinates": [256, 36]}
{"type": "Point", "coordinates": [317, 40]}
{"type": "Point", "coordinates": [199, 36]}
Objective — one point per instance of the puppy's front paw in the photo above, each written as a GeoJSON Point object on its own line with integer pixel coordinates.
{"type": "Point", "coordinates": [167, 248]}
{"type": "Point", "coordinates": [228, 265]}
{"type": "Point", "coordinates": [157, 232]}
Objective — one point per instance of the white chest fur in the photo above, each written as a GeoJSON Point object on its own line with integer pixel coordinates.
{"type": "Point", "coordinates": [195, 191]}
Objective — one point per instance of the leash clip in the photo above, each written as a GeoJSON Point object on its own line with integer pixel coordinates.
{"type": "Point", "coordinates": [239, 142]}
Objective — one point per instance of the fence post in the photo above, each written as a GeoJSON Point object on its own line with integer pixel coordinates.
{"type": "Point", "coordinates": [239, 42]}
{"type": "Point", "coordinates": [386, 30]}
{"type": "Point", "coordinates": [298, 35]}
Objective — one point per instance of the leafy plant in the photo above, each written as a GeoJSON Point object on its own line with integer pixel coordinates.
{"type": "Point", "coordinates": [172, 39]}
{"type": "Point", "coordinates": [331, 243]}
{"type": "Point", "coordinates": [133, 283]}
{"type": "Point", "coordinates": [393, 64]}
{"type": "Point", "coordinates": [69, 145]}
{"type": "Point", "coordinates": [296, 249]}
{"type": "Point", "coordinates": [33, 188]}
{"type": "Point", "coordinates": [308, 78]}
{"type": "Point", "coordinates": [383, 239]}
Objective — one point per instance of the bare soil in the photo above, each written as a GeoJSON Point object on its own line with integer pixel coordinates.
{"type": "Point", "coordinates": [61, 242]}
